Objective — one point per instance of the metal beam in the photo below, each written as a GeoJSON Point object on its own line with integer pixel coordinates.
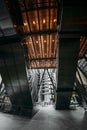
{"type": "Point", "coordinates": [42, 77]}
{"type": "Point", "coordinates": [10, 39]}
{"type": "Point", "coordinates": [51, 80]}
{"type": "Point", "coordinates": [72, 34]}
{"type": "Point", "coordinates": [40, 8]}
{"type": "Point", "coordinates": [39, 32]}
{"type": "Point", "coordinates": [49, 58]}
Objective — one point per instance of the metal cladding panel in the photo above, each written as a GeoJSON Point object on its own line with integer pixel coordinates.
{"type": "Point", "coordinates": [63, 100]}
{"type": "Point", "coordinates": [68, 57]}
{"type": "Point", "coordinates": [12, 69]}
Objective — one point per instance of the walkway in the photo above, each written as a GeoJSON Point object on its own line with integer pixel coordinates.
{"type": "Point", "coordinates": [46, 119]}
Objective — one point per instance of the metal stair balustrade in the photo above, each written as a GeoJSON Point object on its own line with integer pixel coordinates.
{"type": "Point", "coordinates": [52, 79]}
{"type": "Point", "coordinates": [82, 93]}
{"type": "Point", "coordinates": [82, 65]}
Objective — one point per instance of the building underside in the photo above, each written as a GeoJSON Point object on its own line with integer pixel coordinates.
{"type": "Point", "coordinates": [43, 50]}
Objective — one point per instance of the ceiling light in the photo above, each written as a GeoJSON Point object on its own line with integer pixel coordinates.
{"type": "Point", "coordinates": [44, 21]}
{"type": "Point", "coordinates": [25, 23]}
{"type": "Point", "coordinates": [36, 41]}
{"type": "Point", "coordinates": [52, 40]}
{"type": "Point", "coordinates": [54, 20]}
{"type": "Point", "coordinates": [34, 22]}
{"type": "Point", "coordinates": [44, 40]}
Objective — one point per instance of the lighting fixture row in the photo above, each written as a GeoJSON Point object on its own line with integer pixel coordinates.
{"type": "Point", "coordinates": [44, 21]}
{"type": "Point", "coordinates": [43, 41]}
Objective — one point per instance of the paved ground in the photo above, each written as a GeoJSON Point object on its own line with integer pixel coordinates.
{"type": "Point", "coordinates": [46, 119]}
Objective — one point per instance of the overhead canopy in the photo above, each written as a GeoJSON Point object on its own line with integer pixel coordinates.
{"type": "Point", "coordinates": [36, 21]}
